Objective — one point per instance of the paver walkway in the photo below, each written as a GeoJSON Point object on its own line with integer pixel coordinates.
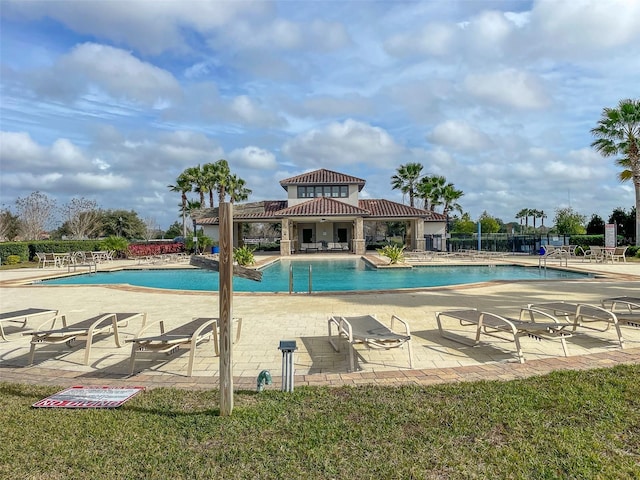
{"type": "Point", "coordinates": [269, 318]}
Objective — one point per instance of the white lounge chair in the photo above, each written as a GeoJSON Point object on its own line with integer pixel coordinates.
{"type": "Point", "coordinates": [103, 324]}
{"type": "Point", "coordinates": [368, 330]}
{"type": "Point", "coordinates": [494, 325]}
{"type": "Point", "coordinates": [187, 336]}
{"type": "Point", "coordinates": [22, 316]}
{"type": "Point", "coordinates": [626, 309]}
{"type": "Point", "coordinates": [582, 314]}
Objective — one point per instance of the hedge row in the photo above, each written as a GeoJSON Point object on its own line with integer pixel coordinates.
{"type": "Point", "coordinates": [20, 249]}
{"type": "Point", "coordinates": [27, 250]}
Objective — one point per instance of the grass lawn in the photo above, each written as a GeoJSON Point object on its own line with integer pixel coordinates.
{"type": "Point", "coordinates": [581, 425]}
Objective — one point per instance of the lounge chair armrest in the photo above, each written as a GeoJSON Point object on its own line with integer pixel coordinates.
{"type": "Point", "coordinates": [147, 327]}
{"type": "Point", "coordinates": [584, 306]}
{"type": "Point", "coordinates": [53, 321]}
{"type": "Point", "coordinates": [627, 304]}
{"type": "Point", "coordinates": [198, 331]}
{"type": "Point", "coordinates": [533, 312]}
{"type": "Point", "coordinates": [406, 325]}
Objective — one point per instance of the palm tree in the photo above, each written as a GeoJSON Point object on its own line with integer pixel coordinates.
{"type": "Point", "coordinates": [237, 189]}
{"type": "Point", "coordinates": [198, 181]}
{"type": "Point", "coordinates": [524, 213]}
{"type": "Point", "coordinates": [183, 185]}
{"type": "Point", "coordinates": [406, 179]}
{"type": "Point", "coordinates": [618, 133]}
{"type": "Point", "coordinates": [450, 197]}
{"type": "Point", "coordinates": [430, 190]}
{"type": "Point", "coordinates": [535, 214]}
{"type": "Point", "coordinates": [210, 172]}
{"type": "Point", "coordinates": [223, 174]}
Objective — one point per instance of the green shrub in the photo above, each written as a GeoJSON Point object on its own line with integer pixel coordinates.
{"type": "Point", "coordinates": [13, 259]}
{"type": "Point", "coordinates": [395, 253]}
{"type": "Point", "coordinates": [15, 248]}
{"type": "Point", "coordinates": [204, 243]}
{"type": "Point", "coordinates": [244, 255]}
{"type": "Point", "coordinates": [63, 246]}
{"type": "Point", "coordinates": [117, 244]}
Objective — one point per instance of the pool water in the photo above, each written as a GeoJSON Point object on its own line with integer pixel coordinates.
{"type": "Point", "coordinates": [326, 275]}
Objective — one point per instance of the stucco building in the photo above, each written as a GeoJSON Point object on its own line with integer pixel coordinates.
{"type": "Point", "coordinates": [323, 212]}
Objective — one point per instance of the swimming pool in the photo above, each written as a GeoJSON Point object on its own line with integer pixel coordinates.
{"type": "Point", "coordinates": [327, 276]}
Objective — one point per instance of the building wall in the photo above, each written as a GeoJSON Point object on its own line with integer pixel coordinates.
{"type": "Point", "coordinates": [435, 228]}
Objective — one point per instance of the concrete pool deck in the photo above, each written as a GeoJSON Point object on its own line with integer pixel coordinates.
{"type": "Point", "coordinates": [269, 318]}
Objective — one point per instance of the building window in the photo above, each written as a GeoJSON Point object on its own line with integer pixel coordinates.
{"type": "Point", "coordinates": [334, 191]}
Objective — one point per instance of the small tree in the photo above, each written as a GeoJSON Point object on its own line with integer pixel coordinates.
{"type": "Point", "coordinates": [488, 223]}
{"type": "Point", "coordinates": [83, 217]}
{"type": "Point", "coordinates": [464, 224]}
{"type": "Point", "coordinates": [174, 230]}
{"type": "Point", "coordinates": [122, 223]}
{"type": "Point", "coordinates": [595, 225]}
{"type": "Point", "coordinates": [150, 228]}
{"type": "Point", "coordinates": [35, 213]}
{"type": "Point", "coordinates": [9, 226]}
{"type": "Point", "coordinates": [625, 222]}
{"type": "Point", "coordinates": [569, 222]}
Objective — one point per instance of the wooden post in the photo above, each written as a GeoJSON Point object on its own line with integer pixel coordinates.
{"type": "Point", "coordinates": [226, 308]}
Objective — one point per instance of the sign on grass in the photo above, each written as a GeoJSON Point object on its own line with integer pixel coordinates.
{"type": "Point", "coordinates": [89, 397]}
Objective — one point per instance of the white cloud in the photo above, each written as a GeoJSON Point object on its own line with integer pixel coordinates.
{"type": "Point", "coordinates": [18, 149]}
{"type": "Point", "coordinates": [585, 27]}
{"type": "Point", "coordinates": [95, 182]}
{"type": "Point", "coordinates": [459, 135]}
{"type": "Point", "coordinates": [147, 25]}
{"type": "Point", "coordinates": [342, 144]}
{"type": "Point", "coordinates": [117, 73]}
{"type": "Point", "coordinates": [282, 34]}
{"type": "Point", "coordinates": [253, 157]}
{"type": "Point", "coordinates": [488, 33]}
{"type": "Point", "coordinates": [433, 39]}
{"type": "Point", "coordinates": [64, 153]}
{"type": "Point", "coordinates": [245, 110]}
{"type": "Point", "coordinates": [509, 87]}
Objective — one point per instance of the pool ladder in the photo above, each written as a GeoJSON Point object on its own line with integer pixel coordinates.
{"type": "Point", "coordinates": [291, 279]}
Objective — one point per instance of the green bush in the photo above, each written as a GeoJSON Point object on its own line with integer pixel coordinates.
{"type": "Point", "coordinates": [63, 246]}
{"type": "Point", "coordinates": [585, 241]}
{"type": "Point", "coordinates": [378, 245]}
{"type": "Point", "coordinates": [15, 248]}
{"type": "Point", "coordinates": [13, 259]}
{"type": "Point", "coordinates": [204, 243]}
{"type": "Point", "coordinates": [395, 253]}
{"type": "Point", "coordinates": [117, 244]}
{"type": "Point", "coordinates": [244, 255]}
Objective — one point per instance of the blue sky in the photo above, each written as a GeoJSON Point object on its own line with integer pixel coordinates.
{"type": "Point", "coordinates": [111, 100]}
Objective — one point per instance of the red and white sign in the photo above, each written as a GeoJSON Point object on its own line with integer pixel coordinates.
{"type": "Point", "coordinates": [89, 397]}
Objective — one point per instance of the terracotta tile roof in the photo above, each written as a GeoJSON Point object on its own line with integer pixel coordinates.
{"type": "Point", "coordinates": [321, 206]}
{"type": "Point", "coordinates": [387, 208]}
{"type": "Point", "coordinates": [323, 177]}
{"type": "Point", "coordinates": [324, 206]}
{"type": "Point", "coordinates": [244, 211]}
